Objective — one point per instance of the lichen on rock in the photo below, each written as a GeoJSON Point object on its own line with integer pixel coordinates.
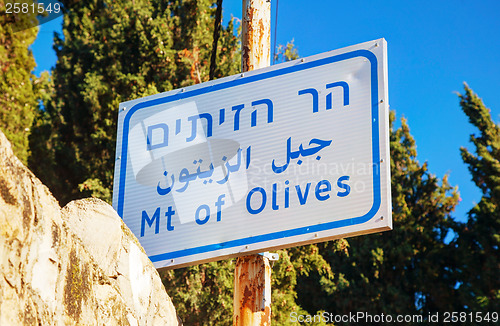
{"type": "Point", "coordinates": [79, 265]}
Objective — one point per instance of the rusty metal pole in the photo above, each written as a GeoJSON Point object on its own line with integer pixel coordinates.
{"type": "Point", "coordinates": [256, 34]}
{"type": "Point", "coordinates": [252, 278]}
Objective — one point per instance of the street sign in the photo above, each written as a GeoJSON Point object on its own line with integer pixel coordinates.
{"type": "Point", "coordinates": [291, 154]}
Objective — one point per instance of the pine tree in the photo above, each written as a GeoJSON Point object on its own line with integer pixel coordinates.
{"type": "Point", "coordinates": [19, 88]}
{"type": "Point", "coordinates": [403, 271]}
{"type": "Point", "coordinates": [479, 238]}
{"type": "Point", "coordinates": [114, 51]}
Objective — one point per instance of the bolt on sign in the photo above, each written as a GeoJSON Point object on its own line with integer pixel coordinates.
{"type": "Point", "coordinates": [291, 154]}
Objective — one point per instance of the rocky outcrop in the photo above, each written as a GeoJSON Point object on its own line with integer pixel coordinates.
{"type": "Point", "coordinates": [79, 265]}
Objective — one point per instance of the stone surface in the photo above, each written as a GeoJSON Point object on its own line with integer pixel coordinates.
{"type": "Point", "coordinates": [79, 265]}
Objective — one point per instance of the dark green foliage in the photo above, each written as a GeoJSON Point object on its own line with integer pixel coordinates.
{"type": "Point", "coordinates": [403, 271]}
{"type": "Point", "coordinates": [479, 238]}
{"type": "Point", "coordinates": [111, 52]}
{"type": "Point", "coordinates": [293, 267]}
{"type": "Point", "coordinates": [19, 88]}
{"type": "Point", "coordinates": [203, 294]}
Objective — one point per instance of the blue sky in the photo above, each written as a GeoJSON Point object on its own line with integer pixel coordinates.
{"type": "Point", "coordinates": [433, 47]}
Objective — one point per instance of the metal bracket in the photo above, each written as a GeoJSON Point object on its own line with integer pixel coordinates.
{"type": "Point", "coordinates": [271, 256]}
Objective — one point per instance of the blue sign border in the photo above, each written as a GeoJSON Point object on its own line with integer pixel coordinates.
{"type": "Point", "coordinates": [250, 79]}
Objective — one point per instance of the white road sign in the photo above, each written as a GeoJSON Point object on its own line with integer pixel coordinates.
{"type": "Point", "coordinates": [291, 154]}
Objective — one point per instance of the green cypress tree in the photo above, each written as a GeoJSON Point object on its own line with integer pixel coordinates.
{"type": "Point", "coordinates": [479, 238]}
{"type": "Point", "coordinates": [112, 51]}
{"type": "Point", "coordinates": [403, 271]}
{"type": "Point", "coordinates": [19, 88]}
{"type": "Point", "coordinates": [202, 294]}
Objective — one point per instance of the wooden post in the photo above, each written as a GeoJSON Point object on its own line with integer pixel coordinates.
{"type": "Point", "coordinates": [252, 278]}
